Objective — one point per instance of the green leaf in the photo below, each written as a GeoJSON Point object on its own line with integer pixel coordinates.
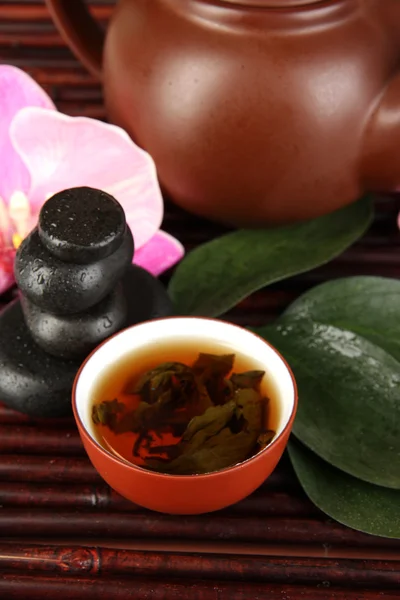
{"type": "Point", "coordinates": [368, 306]}
{"type": "Point", "coordinates": [216, 276]}
{"type": "Point", "coordinates": [359, 505]}
{"type": "Point", "coordinates": [349, 398]}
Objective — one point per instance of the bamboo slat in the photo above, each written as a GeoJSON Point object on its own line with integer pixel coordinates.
{"type": "Point", "coordinates": [24, 495]}
{"type": "Point", "coordinates": [46, 469]}
{"type": "Point", "coordinates": [12, 417]}
{"type": "Point", "coordinates": [35, 587]}
{"type": "Point", "coordinates": [76, 560]}
{"type": "Point", "coordinates": [16, 522]}
{"type": "Point", "coordinates": [40, 440]}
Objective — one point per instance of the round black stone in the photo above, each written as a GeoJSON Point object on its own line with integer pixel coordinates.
{"type": "Point", "coordinates": [146, 297]}
{"type": "Point", "coordinates": [139, 297]}
{"type": "Point", "coordinates": [81, 225]}
{"type": "Point", "coordinates": [32, 381]}
{"type": "Point", "coordinates": [75, 336]}
{"type": "Point", "coordinates": [38, 384]}
{"type": "Point", "coordinates": [66, 288]}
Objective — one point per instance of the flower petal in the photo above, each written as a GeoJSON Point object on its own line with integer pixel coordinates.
{"type": "Point", "coordinates": [6, 280]}
{"type": "Point", "coordinates": [7, 256]}
{"type": "Point", "coordinates": [17, 90]}
{"type": "Point", "coordinates": [63, 152]}
{"type": "Point", "coordinates": [159, 254]}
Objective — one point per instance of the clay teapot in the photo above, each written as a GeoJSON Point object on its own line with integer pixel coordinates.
{"type": "Point", "coordinates": [255, 111]}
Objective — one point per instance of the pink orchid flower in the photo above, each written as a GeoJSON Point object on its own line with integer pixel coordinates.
{"type": "Point", "coordinates": [43, 152]}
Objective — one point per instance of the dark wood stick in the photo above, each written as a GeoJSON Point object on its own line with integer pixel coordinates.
{"type": "Point", "coordinates": [8, 416]}
{"type": "Point", "coordinates": [48, 37]}
{"type": "Point", "coordinates": [40, 440]}
{"type": "Point", "coordinates": [17, 586]}
{"type": "Point", "coordinates": [62, 79]}
{"type": "Point", "coordinates": [40, 58]}
{"type": "Point", "coordinates": [28, 13]}
{"type": "Point", "coordinates": [58, 496]}
{"type": "Point", "coordinates": [79, 561]}
{"type": "Point", "coordinates": [17, 522]}
{"type": "Point", "coordinates": [264, 502]}
{"type": "Point", "coordinates": [88, 94]}
{"type": "Point", "coordinates": [47, 469]}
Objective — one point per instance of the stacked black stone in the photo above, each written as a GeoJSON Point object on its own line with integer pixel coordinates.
{"type": "Point", "coordinates": [77, 286]}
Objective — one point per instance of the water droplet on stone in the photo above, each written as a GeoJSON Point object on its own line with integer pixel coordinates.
{"type": "Point", "coordinates": [37, 264]}
{"type": "Point", "coordinates": [107, 323]}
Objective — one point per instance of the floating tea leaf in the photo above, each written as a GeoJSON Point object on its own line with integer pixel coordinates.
{"type": "Point", "coordinates": [211, 422]}
{"type": "Point", "coordinates": [210, 443]}
{"type": "Point", "coordinates": [249, 405]}
{"type": "Point", "coordinates": [201, 428]}
{"type": "Point", "coordinates": [265, 438]}
{"type": "Point", "coordinates": [211, 370]}
{"type": "Point", "coordinates": [207, 425]}
{"type": "Point", "coordinates": [107, 412]}
{"type": "Point", "coordinates": [218, 452]}
{"type": "Point", "coordinates": [169, 382]}
{"type": "Point", "coordinates": [217, 418]}
{"type": "Point", "coordinates": [214, 364]}
{"type": "Point", "coordinates": [250, 379]}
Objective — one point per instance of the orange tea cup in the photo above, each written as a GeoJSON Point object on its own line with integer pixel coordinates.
{"type": "Point", "coordinates": [185, 494]}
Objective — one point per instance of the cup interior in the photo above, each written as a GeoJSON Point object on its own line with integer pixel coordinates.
{"type": "Point", "coordinates": [225, 338]}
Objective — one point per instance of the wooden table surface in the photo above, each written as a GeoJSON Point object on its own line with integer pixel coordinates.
{"type": "Point", "coordinates": [64, 534]}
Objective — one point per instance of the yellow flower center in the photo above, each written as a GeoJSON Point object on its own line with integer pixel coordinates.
{"type": "Point", "coordinates": [15, 219]}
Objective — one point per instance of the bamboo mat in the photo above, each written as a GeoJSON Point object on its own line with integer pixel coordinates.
{"type": "Point", "coordinates": [65, 534]}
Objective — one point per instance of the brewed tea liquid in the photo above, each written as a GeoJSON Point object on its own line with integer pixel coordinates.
{"type": "Point", "coordinates": [125, 373]}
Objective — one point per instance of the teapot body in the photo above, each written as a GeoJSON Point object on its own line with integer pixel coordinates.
{"type": "Point", "coordinates": [255, 111]}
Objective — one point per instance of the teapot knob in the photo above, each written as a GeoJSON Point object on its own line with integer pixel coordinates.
{"type": "Point", "coordinates": [380, 164]}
